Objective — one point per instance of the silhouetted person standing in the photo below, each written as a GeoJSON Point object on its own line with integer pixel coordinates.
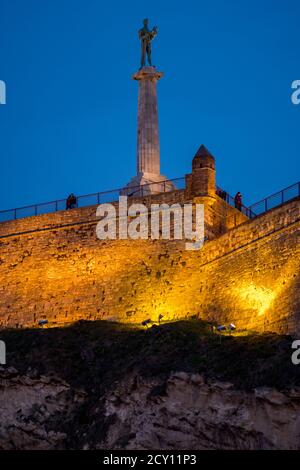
{"type": "Point", "coordinates": [71, 201]}
{"type": "Point", "coordinates": [238, 201]}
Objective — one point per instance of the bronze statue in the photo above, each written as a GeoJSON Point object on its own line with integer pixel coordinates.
{"type": "Point", "coordinates": [146, 36]}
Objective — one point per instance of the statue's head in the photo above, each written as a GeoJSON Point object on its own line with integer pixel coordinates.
{"type": "Point", "coordinates": [145, 22]}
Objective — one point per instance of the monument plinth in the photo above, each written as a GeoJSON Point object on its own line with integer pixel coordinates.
{"type": "Point", "coordinates": [148, 150]}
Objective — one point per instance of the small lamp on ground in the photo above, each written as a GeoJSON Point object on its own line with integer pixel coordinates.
{"type": "Point", "coordinates": [221, 328]}
{"type": "Point", "coordinates": [146, 322]}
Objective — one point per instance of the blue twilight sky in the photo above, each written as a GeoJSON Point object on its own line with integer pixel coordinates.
{"type": "Point", "coordinates": [70, 119]}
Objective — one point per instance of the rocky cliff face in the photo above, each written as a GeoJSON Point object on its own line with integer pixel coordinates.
{"type": "Point", "coordinates": [188, 412]}
{"type": "Point", "coordinates": [32, 409]}
{"type": "Point", "coordinates": [184, 411]}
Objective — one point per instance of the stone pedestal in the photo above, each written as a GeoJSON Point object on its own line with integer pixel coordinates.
{"type": "Point", "coordinates": [148, 152]}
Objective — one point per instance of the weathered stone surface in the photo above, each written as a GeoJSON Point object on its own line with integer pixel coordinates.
{"type": "Point", "coordinates": [198, 414]}
{"type": "Point", "coordinates": [53, 266]}
{"type": "Point", "coordinates": [186, 411]}
{"type": "Point", "coordinates": [33, 411]}
{"type": "Point", "coordinates": [148, 153]}
{"type": "Point", "coordinates": [148, 149]}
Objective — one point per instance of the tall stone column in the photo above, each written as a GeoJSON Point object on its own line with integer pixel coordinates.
{"type": "Point", "coordinates": [148, 179]}
{"type": "Point", "coordinates": [148, 153]}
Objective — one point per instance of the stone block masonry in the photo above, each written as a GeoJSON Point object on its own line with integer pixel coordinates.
{"type": "Point", "coordinates": [53, 267]}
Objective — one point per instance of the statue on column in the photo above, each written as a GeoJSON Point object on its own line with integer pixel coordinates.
{"type": "Point", "coordinates": [146, 36]}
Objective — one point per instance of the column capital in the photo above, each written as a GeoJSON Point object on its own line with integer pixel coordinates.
{"type": "Point", "coordinates": [147, 73]}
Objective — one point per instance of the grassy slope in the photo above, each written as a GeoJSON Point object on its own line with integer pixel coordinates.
{"type": "Point", "coordinates": [93, 355]}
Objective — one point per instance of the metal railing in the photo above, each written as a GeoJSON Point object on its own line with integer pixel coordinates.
{"type": "Point", "coordinates": [266, 204]}
{"type": "Point", "coordinates": [276, 199]}
{"type": "Point", "coordinates": [93, 199]}
{"type": "Point", "coordinates": [230, 200]}
{"type": "Point", "coordinates": [86, 200]}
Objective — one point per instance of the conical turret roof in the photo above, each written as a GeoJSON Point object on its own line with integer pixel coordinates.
{"type": "Point", "coordinates": [202, 152]}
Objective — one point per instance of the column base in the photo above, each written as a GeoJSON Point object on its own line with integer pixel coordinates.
{"type": "Point", "coordinates": [145, 184]}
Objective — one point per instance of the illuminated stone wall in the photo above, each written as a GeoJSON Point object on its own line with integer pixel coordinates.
{"type": "Point", "coordinates": [53, 266]}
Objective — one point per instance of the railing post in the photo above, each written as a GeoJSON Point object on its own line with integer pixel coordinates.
{"type": "Point", "coordinates": [283, 195]}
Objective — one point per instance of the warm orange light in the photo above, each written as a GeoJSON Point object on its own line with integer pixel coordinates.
{"type": "Point", "coordinates": [257, 297]}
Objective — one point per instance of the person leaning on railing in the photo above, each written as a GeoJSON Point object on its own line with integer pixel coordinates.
{"type": "Point", "coordinates": [71, 201]}
{"type": "Point", "coordinates": [238, 201]}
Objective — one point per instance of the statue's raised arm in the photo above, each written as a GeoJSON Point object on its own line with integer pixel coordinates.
{"type": "Point", "coordinates": [146, 36]}
{"type": "Point", "coordinates": [154, 32]}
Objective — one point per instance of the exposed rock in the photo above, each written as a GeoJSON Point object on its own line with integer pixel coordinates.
{"type": "Point", "coordinates": [101, 385]}
{"type": "Point", "coordinates": [31, 409]}
{"type": "Point", "coordinates": [192, 413]}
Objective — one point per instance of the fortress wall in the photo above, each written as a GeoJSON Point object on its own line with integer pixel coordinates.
{"type": "Point", "coordinates": [219, 216]}
{"type": "Point", "coordinates": [82, 214]}
{"type": "Point", "coordinates": [249, 276]}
